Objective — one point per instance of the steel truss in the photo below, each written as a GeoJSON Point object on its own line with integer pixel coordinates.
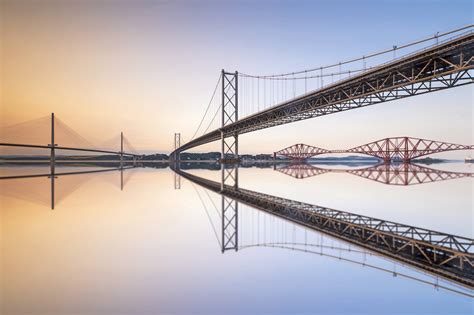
{"type": "Point", "coordinates": [229, 157]}
{"type": "Point", "coordinates": [301, 151]}
{"type": "Point", "coordinates": [406, 148]}
{"type": "Point", "coordinates": [389, 149]}
{"type": "Point", "coordinates": [230, 114]}
{"type": "Point", "coordinates": [404, 174]}
{"type": "Point", "coordinates": [444, 66]}
{"type": "Point", "coordinates": [400, 174]}
{"type": "Point", "coordinates": [301, 171]}
{"type": "Point", "coordinates": [440, 253]}
{"type": "Point", "coordinates": [177, 143]}
{"type": "Point", "coordinates": [230, 219]}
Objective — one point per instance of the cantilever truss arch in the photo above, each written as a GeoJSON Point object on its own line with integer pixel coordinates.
{"type": "Point", "coordinates": [229, 151]}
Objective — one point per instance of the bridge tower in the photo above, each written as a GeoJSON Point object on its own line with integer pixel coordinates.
{"type": "Point", "coordinates": [177, 144]}
{"type": "Point", "coordinates": [229, 160]}
{"type": "Point", "coordinates": [121, 148]}
{"type": "Point", "coordinates": [52, 161]}
{"type": "Point", "coordinates": [229, 115]}
{"type": "Point", "coordinates": [52, 145]}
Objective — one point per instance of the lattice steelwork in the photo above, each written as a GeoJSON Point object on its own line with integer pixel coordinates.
{"type": "Point", "coordinates": [301, 171]}
{"type": "Point", "coordinates": [404, 174]}
{"type": "Point", "coordinates": [389, 149]}
{"type": "Point", "coordinates": [229, 156]}
{"type": "Point", "coordinates": [440, 253]}
{"type": "Point", "coordinates": [301, 151]}
{"type": "Point", "coordinates": [399, 174]}
{"type": "Point", "coordinates": [444, 66]}
{"type": "Point", "coordinates": [406, 148]}
{"type": "Point", "coordinates": [177, 144]}
{"type": "Point", "coordinates": [230, 219]}
{"type": "Point", "coordinates": [230, 114]}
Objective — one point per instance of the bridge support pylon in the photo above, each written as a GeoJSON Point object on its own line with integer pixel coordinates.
{"type": "Point", "coordinates": [121, 148]}
{"type": "Point", "coordinates": [177, 144]}
{"type": "Point", "coordinates": [229, 160]}
{"type": "Point", "coordinates": [230, 228]}
{"type": "Point", "coordinates": [177, 181]}
{"type": "Point", "coordinates": [229, 115]}
{"type": "Point", "coordinates": [52, 145]}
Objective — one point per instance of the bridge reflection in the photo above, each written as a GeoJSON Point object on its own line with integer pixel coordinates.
{"type": "Point", "coordinates": [53, 176]}
{"type": "Point", "coordinates": [445, 255]}
{"type": "Point", "coordinates": [400, 174]}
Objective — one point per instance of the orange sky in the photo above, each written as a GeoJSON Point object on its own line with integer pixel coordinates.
{"type": "Point", "coordinates": [148, 69]}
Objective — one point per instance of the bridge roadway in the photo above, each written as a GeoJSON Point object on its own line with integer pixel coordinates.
{"type": "Point", "coordinates": [35, 146]}
{"type": "Point", "coordinates": [443, 66]}
{"type": "Point", "coordinates": [442, 254]}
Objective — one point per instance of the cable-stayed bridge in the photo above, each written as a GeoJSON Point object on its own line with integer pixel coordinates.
{"type": "Point", "coordinates": [53, 175]}
{"type": "Point", "coordinates": [52, 134]}
{"type": "Point", "coordinates": [254, 102]}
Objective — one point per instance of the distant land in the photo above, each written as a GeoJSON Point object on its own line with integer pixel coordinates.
{"type": "Point", "coordinates": [209, 156]}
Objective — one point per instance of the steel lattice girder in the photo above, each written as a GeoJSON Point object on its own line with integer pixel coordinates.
{"type": "Point", "coordinates": [406, 148]}
{"type": "Point", "coordinates": [229, 224]}
{"type": "Point", "coordinates": [230, 114]}
{"type": "Point", "coordinates": [301, 151]}
{"type": "Point", "coordinates": [301, 171]}
{"type": "Point", "coordinates": [440, 253]}
{"type": "Point", "coordinates": [441, 67]}
{"type": "Point", "coordinates": [401, 174]}
{"type": "Point", "coordinates": [388, 149]}
{"type": "Point", "coordinates": [406, 174]}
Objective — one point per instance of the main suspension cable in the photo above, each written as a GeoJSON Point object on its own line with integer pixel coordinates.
{"type": "Point", "coordinates": [207, 108]}
{"type": "Point", "coordinates": [394, 48]}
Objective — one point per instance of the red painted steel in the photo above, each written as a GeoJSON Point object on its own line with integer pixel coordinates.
{"type": "Point", "coordinates": [389, 149]}
{"type": "Point", "coordinates": [400, 174]}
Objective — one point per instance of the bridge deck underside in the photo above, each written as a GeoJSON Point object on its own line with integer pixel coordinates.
{"type": "Point", "coordinates": [444, 66]}
{"type": "Point", "coordinates": [442, 254]}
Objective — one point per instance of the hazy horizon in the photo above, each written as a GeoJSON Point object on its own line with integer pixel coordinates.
{"type": "Point", "coordinates": [148, 68]}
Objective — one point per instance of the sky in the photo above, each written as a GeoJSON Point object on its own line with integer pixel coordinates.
{"type": "Point", "coordinates": [148, 68]}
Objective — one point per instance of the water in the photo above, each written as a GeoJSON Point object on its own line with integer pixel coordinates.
{"type": "Point", "coordinates": [131, 243]}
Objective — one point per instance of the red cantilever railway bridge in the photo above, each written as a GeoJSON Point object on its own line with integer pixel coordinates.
{"type": "Point", "coordinates": [388, 149]}
{"type": "Point", "coordinates": [400, 174]}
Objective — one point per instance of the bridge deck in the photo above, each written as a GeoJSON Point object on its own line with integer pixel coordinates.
{"type": "Point", "coordinates": [440, 67]}
{"type": "Point", "coordinates": [35, 146]}
{"type": "Point", "coordinates": [446, 255]}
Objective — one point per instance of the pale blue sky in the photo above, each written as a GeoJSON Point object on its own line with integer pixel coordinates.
{"type": "Point", "coordinates": [154, 65]}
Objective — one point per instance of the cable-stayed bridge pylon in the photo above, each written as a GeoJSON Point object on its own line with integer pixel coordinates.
{"type": "Point", "coordinates": [37, 134]}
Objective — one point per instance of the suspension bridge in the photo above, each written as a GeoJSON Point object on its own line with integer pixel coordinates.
{"type": "Point", "coordinates": [389, 149]}
{"type": "Point", "coordinates": [254, 102]}
{"type": "Point", "coordinates": [261, 231]}
{"type": "Point", "coordinates": [443, 254]}
{"type": "Point", "coordinates": [435, 63]}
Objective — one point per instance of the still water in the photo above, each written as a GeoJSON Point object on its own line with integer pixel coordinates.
{"type": "Point", "coordinates": [137, 242]}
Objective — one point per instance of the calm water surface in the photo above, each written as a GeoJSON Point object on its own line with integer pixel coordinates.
{"type": "Point", "coordinates": [131, 243]}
